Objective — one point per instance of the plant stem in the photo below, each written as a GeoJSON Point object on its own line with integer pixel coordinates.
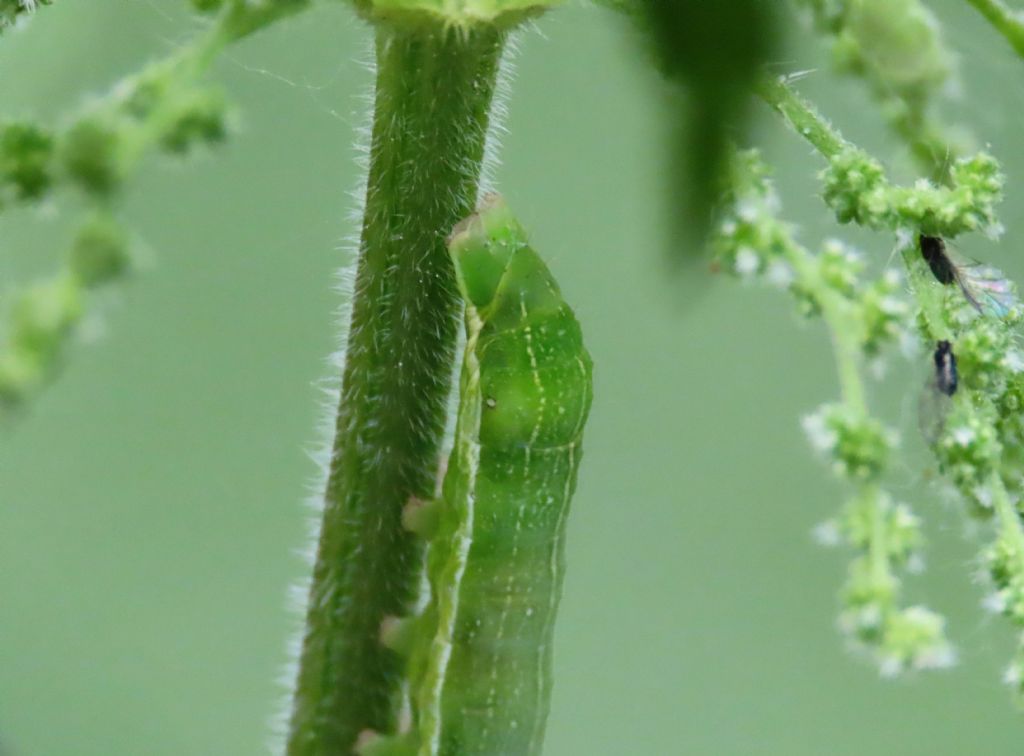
{"type": "Point", "coordinates": [844, 331]}
{"type": "Point", "coordinates": [434, 92]}
{"type": "Point", "coordinates": [878, 552]}
{"type": "Point", "coordinates": [802, 116]}
{"type": "Point", "coordinates": [927, 294]}
{"type": "Point", "coordinates": [1008, 22]}
{"type": "Point", "coordinates": [242, 18]}
{"type": "Point", "coordinates": [1008, 519]}
{"type": "Point", "coordinates": [842, 326]}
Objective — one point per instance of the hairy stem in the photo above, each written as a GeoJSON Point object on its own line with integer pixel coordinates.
{"type": "Point", "coordinates": [878, 551]}
{"type": "Point", "coordinates": [844, 330]}
{"type": "Point", "coordinates": [1008, 22]}
{"type": "Point", "coordinates": [434, 92]}
{"type": "Point", "coordinates": [929, 297]}
{"type": "Point", "coordinates": [842, 326]}
{"type": "Point", "coordinates": [804, 119]}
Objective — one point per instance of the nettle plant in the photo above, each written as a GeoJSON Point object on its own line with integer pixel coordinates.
{"type": "Point", "coordinates": [437, 567]}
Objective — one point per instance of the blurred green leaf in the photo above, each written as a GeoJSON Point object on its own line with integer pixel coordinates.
{"type": "Point", "coordinates": [714, 50]}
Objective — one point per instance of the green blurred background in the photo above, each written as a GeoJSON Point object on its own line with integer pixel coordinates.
{"type": "Point", "coordinates": [151, 501]}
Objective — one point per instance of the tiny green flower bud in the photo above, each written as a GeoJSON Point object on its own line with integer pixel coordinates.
{"type": "Point", "coordinates": [968, 450]}
{"type": "Point", "coordinates": [985, 353]}
{"type": "Point", "coordinates": [903, 536]}
{"type": "Point", "coordinates": [1013, 676]}
{"type": "Point", "coordinates": [26, 152]}
{"type": "Point", "coordinates": [867, 599]}
{"type": "Point", "coordinates": [915, 638]}
{"type": "Point", "coordinates": [21, 372]}
{"type": "Point", "coordinates": [1005, 564]}
{"type": "Point", "coordinates": [100, 251]}
{"type": "Point", "coordinates": [43, 314]}
{"type": "Point", "coordinates": [147, 91]}
{"type": "Point", "coordinates": [859, 446]}
{"type": "Point", "coordinates": [854, 187]}
{"type": "Point", "coordinates": [979, 188]}
{"type": "Point", "coordinates": [900, 532]}
{"type": "Point", "coordinates": [90, 155]}
{"type": "Point", "coordinates": [200, 118]}
{"type": "Point", "coordinates": [840, 267]}
{"type": "Point", "coordinates": [884, 313]}
{"type": "Point", "coordinates": [11, 9]}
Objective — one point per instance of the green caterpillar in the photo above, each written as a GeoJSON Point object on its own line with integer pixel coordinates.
{"type": "Point", "coordinates": [480, 653]}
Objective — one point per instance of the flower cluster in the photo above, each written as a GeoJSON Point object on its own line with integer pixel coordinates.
{"type": "Point", "coordinates": [887, 537]}
{"type": "Point", "coordinates": [11, 10]}
{"type": "Point", "coordinates": [885, 312]}
{"type": "Point", "coordinates": [858, 446]}
{"type": "Point", "coordinates": [981, 448]}
{"type": "Point", "coordinates": [978, 434]}
{"type": "Point", "coordinates": [752, 242]}
{"type": "Point", "coordinates": [164, 105]}
{"type": "Point", "coordinates": [857, 190]}
{"type": "Point", "coordinates": [968, 451]}
{"type": "Point", "coordinates": [864, 317]}
{"type": "Point", "coordinates": [43, 316]}
{"type": "Point", "coordinates": [26, 155]}
{"type": "Point", "coordinates": [1004, 563]}
{"type": "Point", "coordinates": [167, 105]}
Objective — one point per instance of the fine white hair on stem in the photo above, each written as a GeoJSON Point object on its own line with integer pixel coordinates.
{"type": "Point", "coordinates": [330, 387]}
{"type": "Point", "coordinates": [496, 128]}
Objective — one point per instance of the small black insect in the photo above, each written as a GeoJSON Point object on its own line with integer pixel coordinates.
{"type": "Point", "coordinates": [933, 250]}
{"type": "Point", "coordinates": [983, 286]}
{"type": "Point", "coordinates": [946, 379]}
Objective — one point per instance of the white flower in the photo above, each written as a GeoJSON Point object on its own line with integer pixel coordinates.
{"type": "Point", "coordinates": [910, 344]}
{"type": "Point", "coordinates": [994, 602]}
{"type": "Point", "coordinates": [746, 210]}
{"type": "Point", "coordinates": [890, 667]}
{"type": "Point", "coordinates": [983, 496]}
{"type": "Point", "coordinates": [822, 438]}
{"type": "Point", "coordinates": [894, 278]}
{"type": "Point", "coordinates": [915, 564]}
{"type": "Point", "coordinates": [780, 274]}
{"type": "Point", "coordinates": [963, 436]}
{"type": "Point", "coordinates": [905, 238]}
{"type": "Point", "coordinates": [994, 231]}
{"type": "Point", "coordinates": [870, 616]}
{"type": "Point", "coordinates": [826, 533]}
{"type": "Point", "coordinates": [939, 656]}
{"type": "Point", "coordinates": [1014, 361]}
{"type": "Point", "coordinates": [747, 262]}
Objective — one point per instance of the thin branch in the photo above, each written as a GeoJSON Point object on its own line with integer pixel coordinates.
{"type": "Point", "coordinates": [1008, 22]}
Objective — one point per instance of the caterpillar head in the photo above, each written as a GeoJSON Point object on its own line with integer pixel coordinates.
{"type": "Point", "coordinates": [481, 247]}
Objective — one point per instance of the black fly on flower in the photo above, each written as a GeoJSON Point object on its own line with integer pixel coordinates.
{"type": "Point", "coordinates": [984, 287]}
{"type": "Point", "coordinates": [946, 378]}
{"type": "Point", "coordinates": [942, 385]}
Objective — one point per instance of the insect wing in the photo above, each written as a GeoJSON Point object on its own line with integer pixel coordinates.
{"type": "Point", "coordinates": [987, 289]}
{"type": "Point", "coordinates": [983, 286]}
{"type": "Point", "coordinates": [933, 405]}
